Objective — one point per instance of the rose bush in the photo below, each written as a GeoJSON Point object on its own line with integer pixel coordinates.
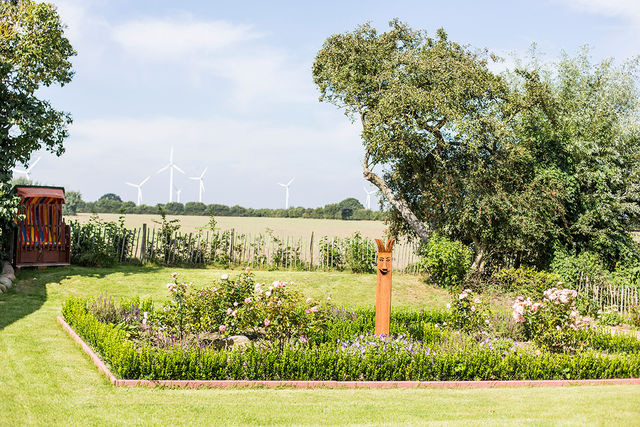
{"type": "Point", "coordinates": [552, 322]}
{"type": "Point", "coordinates": [469, 313]}
{"type": "Point", "coordinates": [242, 306]}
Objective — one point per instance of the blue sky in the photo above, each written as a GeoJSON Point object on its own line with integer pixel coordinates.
{"type": "Point", "coordinates": [229, 85]}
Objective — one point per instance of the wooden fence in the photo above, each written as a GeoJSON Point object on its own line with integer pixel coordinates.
{"type": "Point", "coordinates": [605, 294]}
{"type": "Point", "coordinates": [263, 250]}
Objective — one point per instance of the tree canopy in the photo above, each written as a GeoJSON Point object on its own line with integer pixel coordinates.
{"type": "Point", "coordinates": [516, 165]}
{"type": "Point", "coordinates": [33, 53]}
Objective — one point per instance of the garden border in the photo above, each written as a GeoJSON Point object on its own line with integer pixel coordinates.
{"type": "Point", "coordinates": [102, 367]}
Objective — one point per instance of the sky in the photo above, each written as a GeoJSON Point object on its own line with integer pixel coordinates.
{"type": "Point", "coordinates": [229, 86]}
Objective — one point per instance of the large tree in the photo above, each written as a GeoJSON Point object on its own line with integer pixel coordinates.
{"type": "Point", "coordinates": [33, 53]}
{"type": "Point", "coordinates": [460, 149]}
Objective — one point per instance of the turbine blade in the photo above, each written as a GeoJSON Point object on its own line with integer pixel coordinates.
{"type": "Point", "coordinates": [171, 155]}
{"type": "Point", "coordinates": [144, 180]}
{"type": "Point", "coordinates": [203, 172]}
{"type": "Point", "coordinates": [195, 178]}
{"type": "Point", "coordinates": [290, 181]}
{"type": "Point", "coordinates": [179, 170]}
{"type": "Point", "coordinates": [164, 168]}
{"type": "Point", "coordinates": [202, 187]}
{"type": "Point", "coordinates": [34, 163]}
{"type": "Point", "coordinates": [133, 185]}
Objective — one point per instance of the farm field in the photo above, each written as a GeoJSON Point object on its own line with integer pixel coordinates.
{"type": "Point", "coordinates": [288, 227]}
{"type": "Point", "coordinates": [45, 378]}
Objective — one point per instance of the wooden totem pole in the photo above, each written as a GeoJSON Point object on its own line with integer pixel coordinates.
{"type": "Point", "coordinates": [383, 289]}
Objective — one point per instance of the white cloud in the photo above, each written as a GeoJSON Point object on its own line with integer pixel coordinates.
{"type": "Point", "coordinates": [171, 40]}
{"type": "Point", "coordinates": [626, 9]}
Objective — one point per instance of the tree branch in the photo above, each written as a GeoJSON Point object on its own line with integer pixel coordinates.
{"type": "Point", "coordinates": [398, 202]}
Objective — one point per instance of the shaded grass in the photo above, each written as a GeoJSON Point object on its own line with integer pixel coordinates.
{"type": "Point", "coordinates": [46, 379]}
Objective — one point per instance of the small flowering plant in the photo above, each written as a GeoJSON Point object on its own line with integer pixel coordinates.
{"type": "Point", "coordinates": [370, 344]}
{"type": "Point", "coordinates": [469, 312]}
{"type": "Point", "coordinates": [552, 322]}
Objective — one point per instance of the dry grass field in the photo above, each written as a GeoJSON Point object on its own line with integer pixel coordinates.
{"type": "Point", "coordinates": [290, 227]}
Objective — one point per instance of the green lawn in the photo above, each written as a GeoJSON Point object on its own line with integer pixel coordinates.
{"type": "Point", "coordinates": [46, 379]}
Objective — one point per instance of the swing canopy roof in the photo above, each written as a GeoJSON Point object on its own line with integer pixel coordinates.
{"type": "Point", "coordinates": [40, 194]}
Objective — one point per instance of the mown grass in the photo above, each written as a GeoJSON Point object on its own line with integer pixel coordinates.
{"type": "Point", "coordinates": [46, 379]}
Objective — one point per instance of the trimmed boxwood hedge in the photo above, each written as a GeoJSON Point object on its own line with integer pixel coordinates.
{"type": "Point", "coordinates": [326, 362]}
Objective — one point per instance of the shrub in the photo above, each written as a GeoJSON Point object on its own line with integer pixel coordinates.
{"type": "Point", "coordinates": [526, 281]}
{"type": "Point", "coordinates": [468, 312]}
{"type": "Point", "coordinates": [99, 243]}
{"type": "Point", "coordinates": [573, 268]}
{"type": "Point", "coordinates": [243, 307]}
{"type": "Point", "coordinates": [446, 262]}
{"type": "Point", "coordinates": [610, 317]}
{"type": "Point", "coordinates": [360, 254]}
{"type": "Point", "coordinates": [634, 315]}
{"type": "Point", "coordinates": [551, 322]}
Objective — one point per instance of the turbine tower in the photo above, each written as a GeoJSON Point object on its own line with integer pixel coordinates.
{"type": "Point", "coordinates": [171, 166]}
{"type": "Point", "coordinates": [199, 178]}
{"type": "Point", "coordinates": [286, 197]}
{"type": "Point", "coordinates": [139, 187]}
{"type": "Point", "coordinates": [27, 171]}
{"type": "Point", "coordinates": [369, 193]}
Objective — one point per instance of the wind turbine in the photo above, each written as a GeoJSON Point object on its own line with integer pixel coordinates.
{"type": "Point", "coordinates": [286, 197]}
{"type": "Point", "coordinates": [27, 171]}
{"type": "Point", "coordinates": [369, 193]}
{"type": "Point", "coordinates": [178, 191]}
{"type": "Point", "coordinates": [199, 178]}
{"type": "Point", "coordinates": [171, 166]}
{"type": "Point", "coordinates": [139, 187]}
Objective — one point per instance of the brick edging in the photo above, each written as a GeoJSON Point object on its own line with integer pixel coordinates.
{"type": "Point", "coordinates": [330, 384]}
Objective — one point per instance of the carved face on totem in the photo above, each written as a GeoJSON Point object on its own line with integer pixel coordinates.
{"type": "Point", "coordinates": [384, 256]}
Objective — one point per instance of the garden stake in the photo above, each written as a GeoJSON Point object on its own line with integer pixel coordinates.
{"type": "Point", "coordinates": [383, 288]}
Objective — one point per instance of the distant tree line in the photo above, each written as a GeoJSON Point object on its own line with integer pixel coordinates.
{"type": "Point", "coordinates": [348, 209]}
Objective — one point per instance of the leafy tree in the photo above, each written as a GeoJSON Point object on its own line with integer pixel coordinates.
{"type": "Point", "coordinates": [23, 180]}
{"type": "Point", "coordinates": [499, 162]}
{"type": "Point", "coordinates": [110, 196]}
{"type": "Point", "coordinates": [33, 53]}
{"type": "Point", "coordinates": [73, 203]}
{"type": "Point", "coordinates": [195, 208]}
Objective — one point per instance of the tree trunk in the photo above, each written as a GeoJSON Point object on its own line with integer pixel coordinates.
{"type": "Point", "coordinates": [398, 202]}
{"type": "Point", "coordinates": [478, 263]}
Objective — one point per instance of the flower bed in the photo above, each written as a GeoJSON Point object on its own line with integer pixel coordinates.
{"type": "Point", "coordinates": [183, 340]}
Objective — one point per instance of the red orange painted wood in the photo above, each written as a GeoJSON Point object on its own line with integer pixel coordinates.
{"type": "Point", "coordinates": [383, 287]}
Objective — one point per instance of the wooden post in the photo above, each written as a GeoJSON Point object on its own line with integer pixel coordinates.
{"type": "Point", "coordinates": [383, 288]}
{"type": "Point", "coordinates": [143, 245]}
{"type": "Point", "coordinates": [311, 252]}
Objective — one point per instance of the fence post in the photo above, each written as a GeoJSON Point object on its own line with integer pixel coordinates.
{"type": "Point", "coordinates": [231, 245]}
{"type": "Point", "coordinates": [143, 246]}
{"type": "Point", "coordinates": [311, 252]}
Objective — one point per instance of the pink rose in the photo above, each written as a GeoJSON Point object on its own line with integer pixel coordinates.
{"type": "Point", "coordinates": [267, 322]}
{"type": "Point", "coordinates": [247, 300]}
{"type": "Point", "coordinates": [309, 300]}
{"type": "Point", "coordinates": [222, 328]}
